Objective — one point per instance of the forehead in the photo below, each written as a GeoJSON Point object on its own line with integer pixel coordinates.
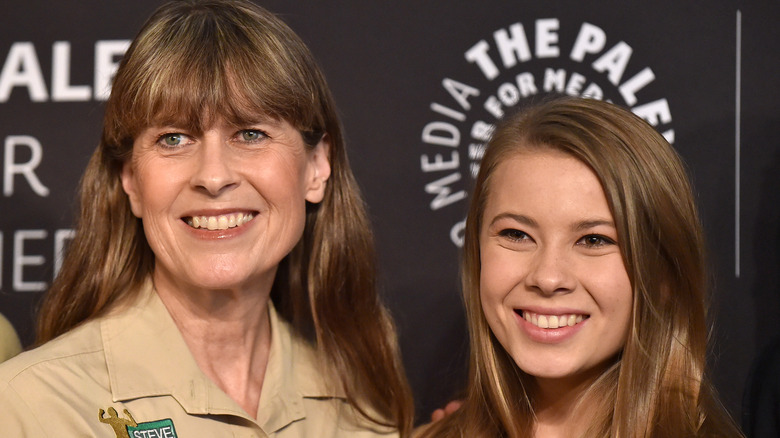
{"type": "Point", "coordinates": [545, 183]}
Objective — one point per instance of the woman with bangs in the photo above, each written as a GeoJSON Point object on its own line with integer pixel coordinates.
{"type": "Point", "coordinates": [221, 279]}
{"type": "Point", "coordinates": [584, 280]}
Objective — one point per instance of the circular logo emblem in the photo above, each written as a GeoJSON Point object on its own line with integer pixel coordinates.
{"type": "Point", "coordinates": [517, 63]}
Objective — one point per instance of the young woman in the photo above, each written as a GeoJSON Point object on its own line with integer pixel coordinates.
{"type": "Point", "coordinates": [585, 284]}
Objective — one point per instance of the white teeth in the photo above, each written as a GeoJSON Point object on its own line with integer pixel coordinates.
{"type": "Point", "coordinates": [222, 222]}
{"type": "Point", "coordinates": [552, 321]}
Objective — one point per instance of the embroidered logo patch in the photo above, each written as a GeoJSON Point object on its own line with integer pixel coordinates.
{"type": "Point", "coordinates": [153, 429]}
{"type": "Point", "coordinates": [128, 428]}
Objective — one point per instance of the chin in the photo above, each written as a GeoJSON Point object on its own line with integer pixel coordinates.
{"type": "Point", "coordinates": [204, 279]}
{"type": "Point", "coordinates": [223, 273]}
{"type": "Point", "coordinates": [545, 371]}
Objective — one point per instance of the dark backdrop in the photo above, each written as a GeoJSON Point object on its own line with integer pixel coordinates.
{"type": "Point", "coordinates": [412, 80]}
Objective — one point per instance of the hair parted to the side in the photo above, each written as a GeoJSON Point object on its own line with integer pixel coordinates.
{"type": "Point", "coordinates": [194, 61]}
{"type": "Point", "coordinates": [657, 387]}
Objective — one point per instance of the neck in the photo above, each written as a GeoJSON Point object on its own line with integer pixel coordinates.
{"type": "Point", "coordinates": [559, 409]}
{"type": "Point", "coordinates": [228, 333]}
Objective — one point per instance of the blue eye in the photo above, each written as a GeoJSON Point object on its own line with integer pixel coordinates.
{"type": "Point", "coordinates": [251, 135]}
{"type": "Point", "coordinates": [172, 139]}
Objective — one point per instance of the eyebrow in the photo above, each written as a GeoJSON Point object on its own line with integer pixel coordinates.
{"type": "Point", "coordinates": [523, 219]}
{"type": "Point", "coordinates": [579, 226]}
{"type": "Point", "coordinates": [584, 225]}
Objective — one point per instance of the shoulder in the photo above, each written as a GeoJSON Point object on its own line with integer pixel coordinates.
{"type": "Point", "coordinates": [76, 353]}
{"type": "Point", "coordinates": [84, 339]}
{"type": "Point", "coordinates": [79, 351]}
{"type": "Point", "coordinates": [47, 383]}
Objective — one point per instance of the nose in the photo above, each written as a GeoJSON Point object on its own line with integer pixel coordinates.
{"type": "Point", "coordinates": [215, 171]}
{"type": "Point", "coordinates": [550, 272]}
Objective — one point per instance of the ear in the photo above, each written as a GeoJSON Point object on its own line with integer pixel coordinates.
{"type": "Point", "coordinates": [318, 170]}
{"type": "Point", "coordinates": [130, 188]}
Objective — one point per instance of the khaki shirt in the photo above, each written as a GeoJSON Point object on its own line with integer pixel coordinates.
{"type": "Point", "coordinates": [9, 342]}
{"type": "Point", "coordinates": [130, 374]}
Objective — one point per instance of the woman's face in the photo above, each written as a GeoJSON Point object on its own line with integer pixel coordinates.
{"type": "Point", "coordinates": [553, 285]}
{"type": "Point", "coordinates": [221, 209]}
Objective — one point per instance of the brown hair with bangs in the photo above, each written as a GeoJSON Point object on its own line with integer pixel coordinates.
{"type": "Point", "coordinates": [657, 386]}
{"type": "Point", "coordinates": [194, 61]}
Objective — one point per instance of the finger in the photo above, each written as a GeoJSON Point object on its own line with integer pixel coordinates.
{"type": "Point", "coordinates": [452, 406]}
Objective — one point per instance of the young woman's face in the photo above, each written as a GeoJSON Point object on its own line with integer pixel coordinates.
{"type": "Point", "coordinates": [553, 285]}
{"type": "Point", "coordinates": [221, 209]}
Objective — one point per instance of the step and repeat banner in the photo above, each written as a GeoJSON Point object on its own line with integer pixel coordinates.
{"type": "Point", "coordinates": [418, 85]}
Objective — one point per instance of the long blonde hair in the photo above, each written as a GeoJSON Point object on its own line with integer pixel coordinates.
{"type": "Point", "coordinates": [192, 61]}
{"type": "Point", "coordinates": [657, 386]}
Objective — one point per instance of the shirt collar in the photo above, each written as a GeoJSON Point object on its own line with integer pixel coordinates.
{"type": "Point", "coordinates": [147, 356]}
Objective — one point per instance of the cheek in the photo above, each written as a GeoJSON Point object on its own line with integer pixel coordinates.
{"type": "Point", "coordinates": [500, 272]}
{"type": "Point", "coordinates": [497, 279]}
{"type": "Point", "coordinates": [492, 294]}
{"type": "Point", "coordinates": [615, 293]}
{"type": "Point", "coordinates": [491, 289]}
{"type": "Point", "coordinates": [153, 185]}
{"type": "Point", "coordinates": [155, 199]}
{"type": "Point", "coordinates": [281, 183]}
{"type": "Point", "coordinates": [490, 308]}
{"type": "Point", "coordinates": [488, 290]}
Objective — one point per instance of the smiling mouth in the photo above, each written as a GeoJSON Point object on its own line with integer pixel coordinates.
{"type": "Point", "coordinates": [222, 222]}
{"type": "Point", "coordinates": [552, 321]}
